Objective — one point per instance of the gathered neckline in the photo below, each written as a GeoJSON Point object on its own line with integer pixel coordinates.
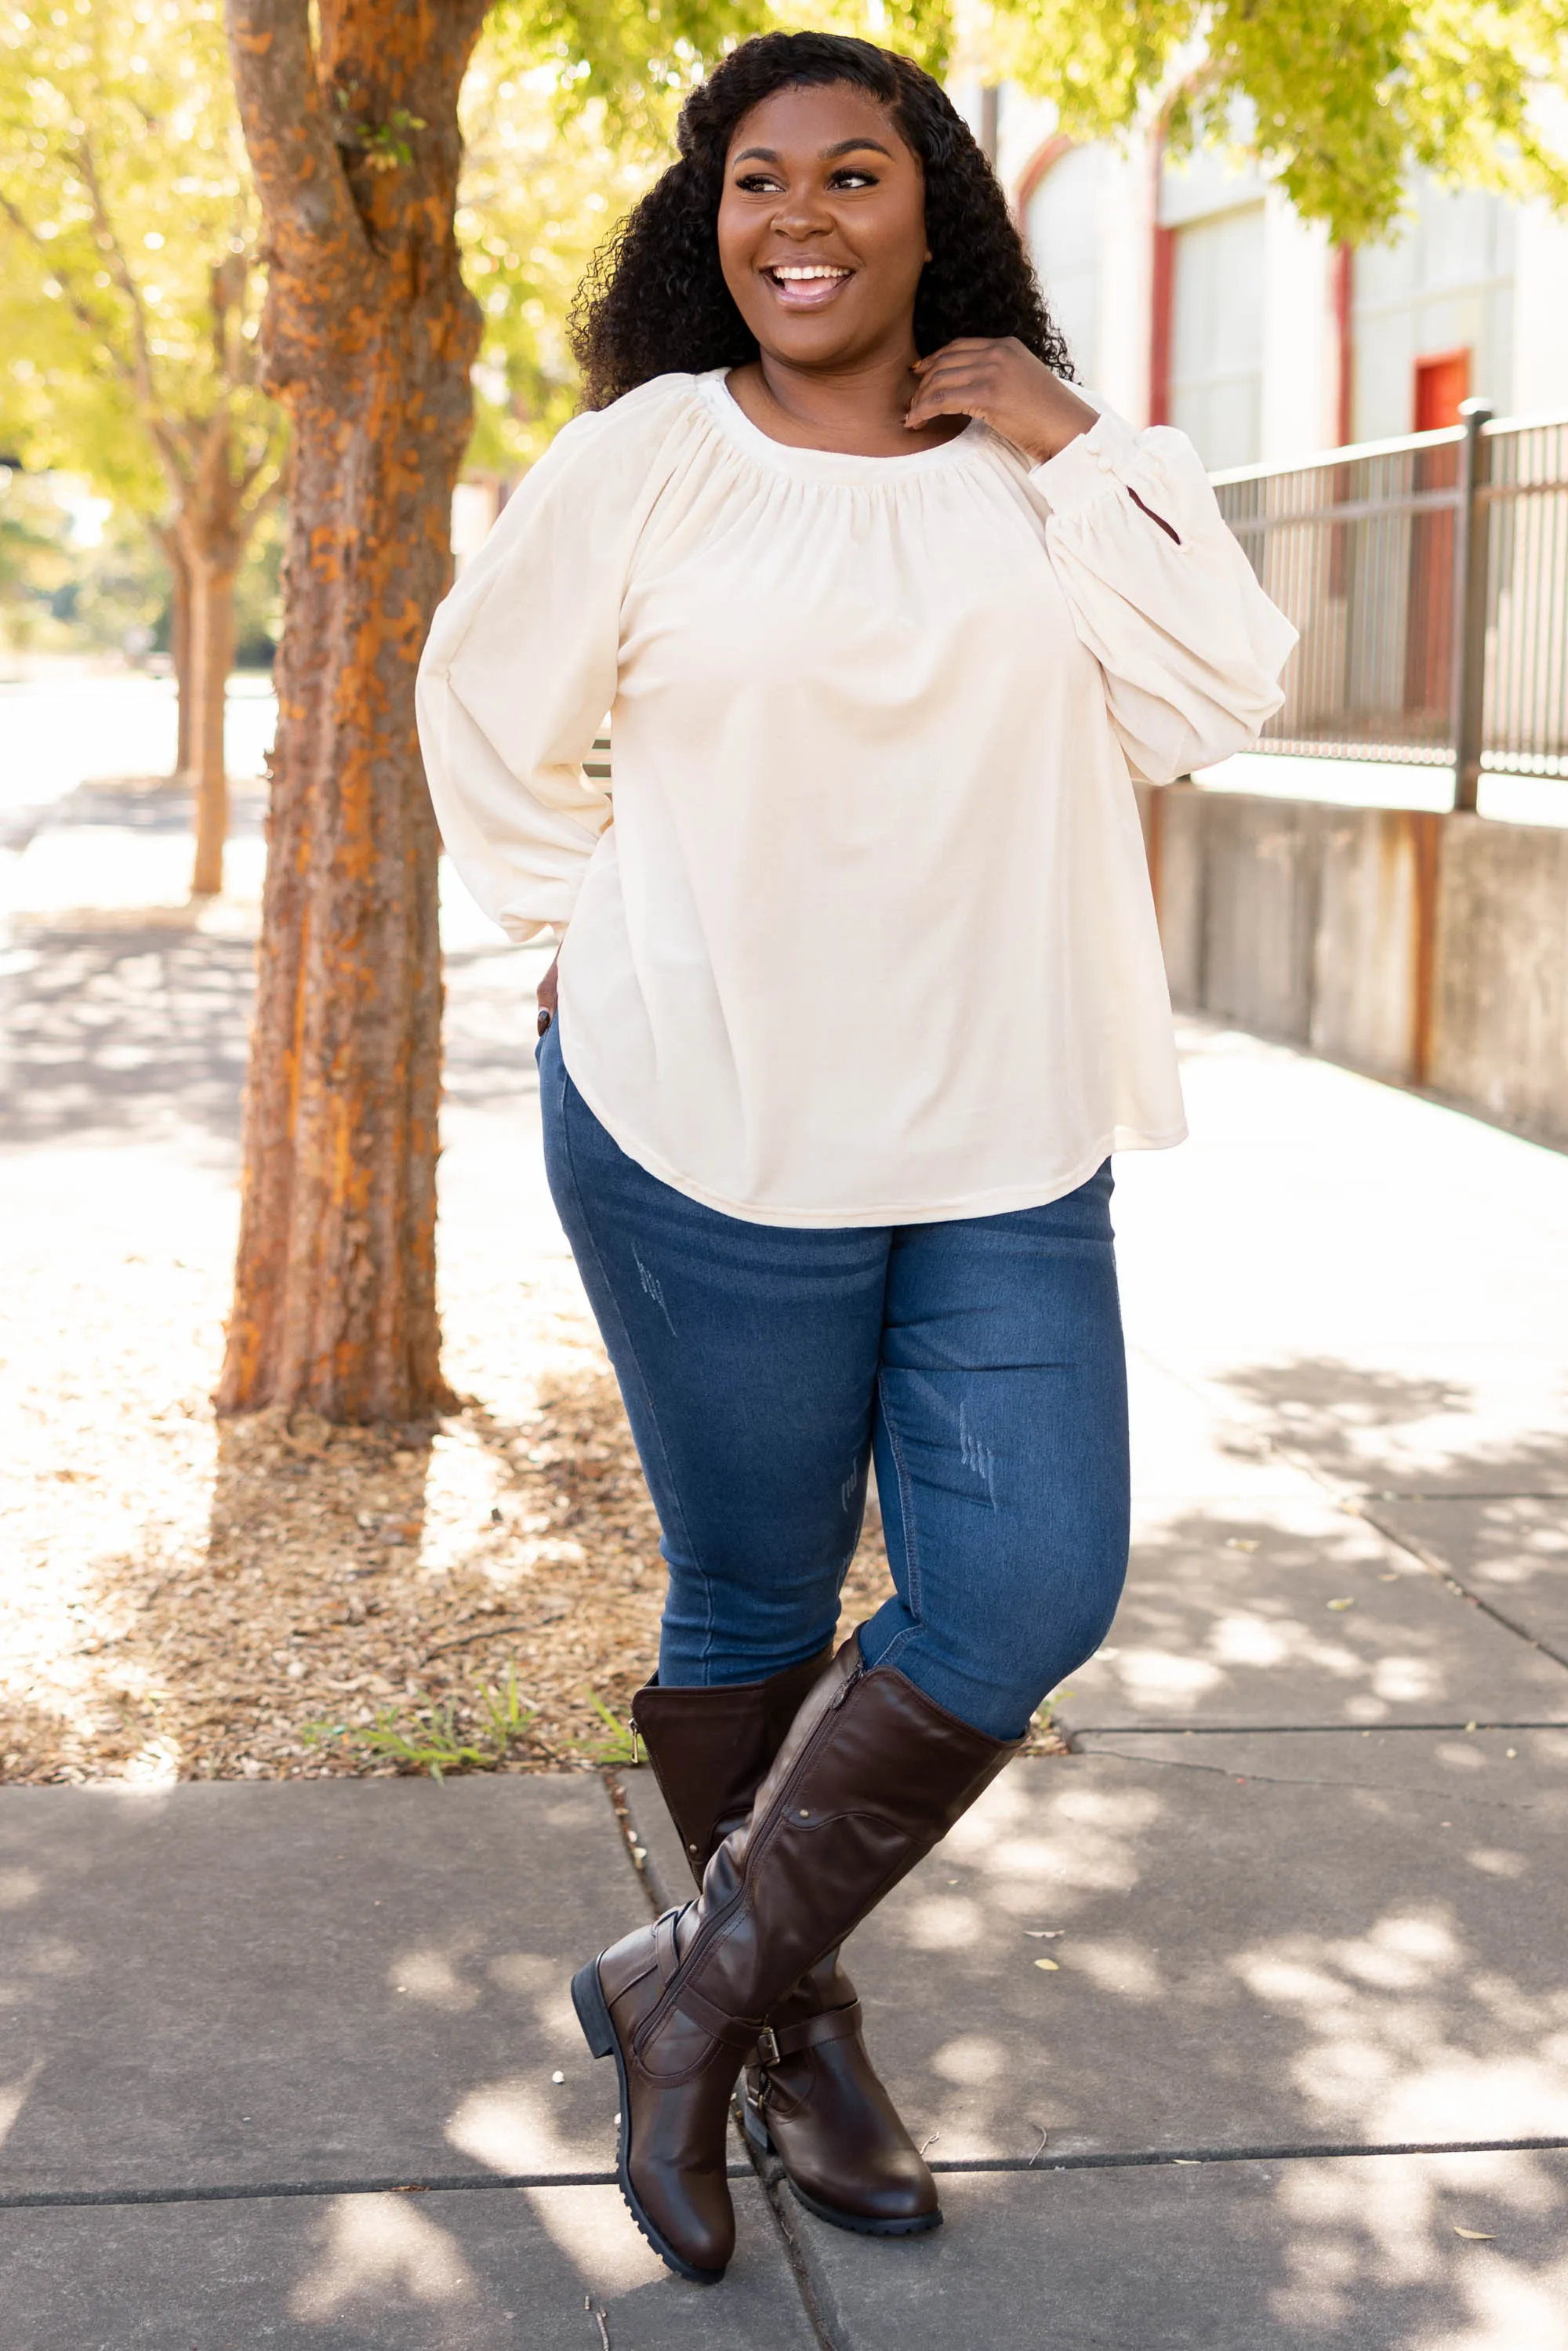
{"type": "Point", "coordinates": [828, 464]}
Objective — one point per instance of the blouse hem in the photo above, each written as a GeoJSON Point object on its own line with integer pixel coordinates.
{"type": "Point", "coordinates": [1000, 1202]}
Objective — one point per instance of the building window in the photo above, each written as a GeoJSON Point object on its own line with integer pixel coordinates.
{"type": "Point", "coordinates": [1214, 389]}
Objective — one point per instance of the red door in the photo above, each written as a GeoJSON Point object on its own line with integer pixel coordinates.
{"type": "Point", "coordinates": [1442, 381]}
{"type": "Point", "coordinates": [1441, 384]}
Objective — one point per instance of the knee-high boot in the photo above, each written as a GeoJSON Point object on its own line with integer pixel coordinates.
{"type": "Point", "coordinates": [811, 2095]}
{"type": "Point", "coordinates": [871, 1775]}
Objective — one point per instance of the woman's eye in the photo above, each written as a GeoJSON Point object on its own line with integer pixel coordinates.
{"type": "Point", "coordinates": [757, 183]}
{"type": "Point", "coordinates": [854, 179]}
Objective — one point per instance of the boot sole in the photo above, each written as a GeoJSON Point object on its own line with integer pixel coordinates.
{"type": "Point", "coordinates": [599, 2032]}
{"type": "Point", "coordinates": [762, 2138]}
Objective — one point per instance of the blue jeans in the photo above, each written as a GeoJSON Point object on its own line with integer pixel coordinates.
{"type": "Point", "coordinates": [978, 1361]}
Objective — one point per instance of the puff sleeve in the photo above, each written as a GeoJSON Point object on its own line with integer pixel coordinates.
{"type": "Point", "coordinates": [1162, 597]}
{"type": "Point", "coordinates": [519, 670]}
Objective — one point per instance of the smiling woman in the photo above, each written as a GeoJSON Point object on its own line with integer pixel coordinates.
{"type": "Point", "coordinates": [861, 990]}
{"type": "Point", "coordinates": [659, 300]}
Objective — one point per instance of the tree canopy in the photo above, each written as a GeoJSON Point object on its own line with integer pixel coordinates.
{"type": "Point", "coordinates": [130, 291]}
{"type": "Point", "coordinates": [1341, 102]}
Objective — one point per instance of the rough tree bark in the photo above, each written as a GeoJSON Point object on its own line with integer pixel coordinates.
{"type": "Point", "coordinates": [369, 337]}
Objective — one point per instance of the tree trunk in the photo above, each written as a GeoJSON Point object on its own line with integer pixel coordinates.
{"type": "Point", "coordinates": [370, 335]}
{"type": "Point", "coordinates": [180, 643]}
{"type": "Point", "coordinates": [212, 634]}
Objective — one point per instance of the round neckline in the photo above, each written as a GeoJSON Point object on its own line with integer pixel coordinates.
{"type": "Point", "coordinates": [827, 465]}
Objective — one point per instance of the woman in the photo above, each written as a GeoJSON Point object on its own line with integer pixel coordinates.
{"type": "Point", "coordinates": [858, 996]}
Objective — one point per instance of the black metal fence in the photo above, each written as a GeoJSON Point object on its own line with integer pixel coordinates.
{"type": "Point", "coordinates": [1429, 578]}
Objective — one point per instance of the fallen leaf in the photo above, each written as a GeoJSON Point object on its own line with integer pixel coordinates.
{"type": "Point", "coordinates": [1478, 2236]}
{"type": "Point", "coordinates": [1052, 1966]}
{"type": "Point", "coordinates": [1240, 1542]}
{"type": "Point", "coordinates": [1391, 1576]}
{"type": "Point", "coordinates": [1341, 1604]}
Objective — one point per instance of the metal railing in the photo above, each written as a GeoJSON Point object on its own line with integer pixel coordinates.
{"type": "Point", "coordinates": [1429, 578]}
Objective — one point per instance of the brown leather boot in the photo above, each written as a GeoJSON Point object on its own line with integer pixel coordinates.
{"type": "Point", "coordinates": [870, 1776]}
{"type": "Point", "coordinates": [811, 2095]}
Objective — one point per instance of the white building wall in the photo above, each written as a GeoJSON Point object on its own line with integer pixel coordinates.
{"type": "Point", "coordinates": [1120, 374]}
{"type": "Point", "coordinates": [1445, 281]}
{"type": "Point", "coordinates": [1540, 310]}
{"type": "Point", "coordinates": [1299, 409]}
{"type": "Point", "coordinates": [1472, 270]}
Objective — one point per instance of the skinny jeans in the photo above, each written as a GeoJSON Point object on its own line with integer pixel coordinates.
{"type": "Point", "coordinates": [977, 1361]}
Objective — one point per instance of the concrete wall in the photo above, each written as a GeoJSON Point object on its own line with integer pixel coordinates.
{"type": "Point", "coordinates": [1428, 950]}
{"type": "Point", "coordinates": [1500, 1028]}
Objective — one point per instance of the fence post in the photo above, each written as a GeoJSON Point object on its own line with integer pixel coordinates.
{"type": "Point", "coordinates": [1471, 547]}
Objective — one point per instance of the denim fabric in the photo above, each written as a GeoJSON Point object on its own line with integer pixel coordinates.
{"type": "Point", "coordinates": [980, 1360]}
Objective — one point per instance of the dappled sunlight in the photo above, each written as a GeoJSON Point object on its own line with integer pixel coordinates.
{"type": "Point", "coordinates": [1395, 1426]}
{"type": "Point", "coordinates": [511, 2127]}
{"type": "Point", "coordinates": [14, 2096]}
{"type": "Point", "coordinates": [943, 1922]}
{"type": "Point", "coordinates": [1388, 2228]}
{"type": "Point", "coordinates": [598, 2235]}
{"type": "Point", "coordinates": [382, 2250]}
{"type": "Point", "coordinates": [1398, 2049]}
{"type": "Point", "coordinates": [1091, 1854]}
{"type": "Point", "coordinates": [1297, 1612]}
{"type": "Point", "coordinates": [1118, 1964]}
{"type": "Point", "coordinates": [970, 2059]}
{"type": "Point", "coordinates": [431, 1977]}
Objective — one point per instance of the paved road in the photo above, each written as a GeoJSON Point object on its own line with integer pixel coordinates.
{"type": "Point", "coordinates": [294, 2063]}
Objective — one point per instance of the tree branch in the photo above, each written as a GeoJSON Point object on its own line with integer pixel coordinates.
{"type": "Point", "coordinates": [134, 374]}
{"type": "Point", "coordinates": [298, 174]}
{"type": "Point", "coordinates": [87, 172]}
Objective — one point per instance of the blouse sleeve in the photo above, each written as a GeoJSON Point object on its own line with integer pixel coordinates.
{"type": "Point", "coordinates": [1162, 597]}
{"type": "Point", "coordinates": [517, 673]}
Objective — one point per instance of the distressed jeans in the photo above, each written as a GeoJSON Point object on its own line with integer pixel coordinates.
{"type": "Point", "coordinates": [979, 1362]}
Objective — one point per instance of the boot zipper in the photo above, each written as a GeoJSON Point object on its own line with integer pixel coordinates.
{"type": "Point", "coordinates": [708, 1932]}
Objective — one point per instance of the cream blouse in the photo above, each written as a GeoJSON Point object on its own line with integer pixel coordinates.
{"type": "Point", "coordinates": [871, 939]}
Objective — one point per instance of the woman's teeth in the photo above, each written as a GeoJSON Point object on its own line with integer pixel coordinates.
{"type": "Point", "coordinates": [790, 276]}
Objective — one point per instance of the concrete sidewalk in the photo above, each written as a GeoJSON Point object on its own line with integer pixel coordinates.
{"type": "Point", "coordinates": [294, 2063]}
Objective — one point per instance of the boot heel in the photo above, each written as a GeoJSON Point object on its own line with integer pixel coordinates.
{"type": "Point", "coordinates": [591, 2014]}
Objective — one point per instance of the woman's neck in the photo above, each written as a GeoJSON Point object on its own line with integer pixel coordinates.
{"type": "Point", "coordinates": [856, 410]}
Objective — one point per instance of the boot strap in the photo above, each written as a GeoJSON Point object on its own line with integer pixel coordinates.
{"type": "Point", "coordinates": [735, 2031]}
{"type": "Point", "coordinates": [830, 2025]}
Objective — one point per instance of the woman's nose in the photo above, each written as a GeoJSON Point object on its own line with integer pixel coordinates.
{"type": "Point", "coordinates": [801, 215]}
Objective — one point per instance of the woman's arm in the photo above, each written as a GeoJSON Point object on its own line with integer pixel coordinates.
{"type": "Point", "coordinates": [1162, 597]}
{"type": "Point", "coordinates": [1161, 593]}
{"type": "Point", "coordinates": [520, 669]}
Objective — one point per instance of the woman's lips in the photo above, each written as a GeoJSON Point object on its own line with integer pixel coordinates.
{"type": "Point", "coordinates": [807, 286]}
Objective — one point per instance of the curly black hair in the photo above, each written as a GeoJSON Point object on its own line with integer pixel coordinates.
{"type": "Point", "coordinates": [655, 301]}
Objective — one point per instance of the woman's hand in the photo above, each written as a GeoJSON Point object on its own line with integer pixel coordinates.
{"type": "Point", "coordinates": [547, 994]}
{"type": "Point", "coordinates": [1003, 383]}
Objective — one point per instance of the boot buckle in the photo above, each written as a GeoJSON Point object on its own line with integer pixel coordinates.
{"type": "Point", "coordinates": [767, 2047]}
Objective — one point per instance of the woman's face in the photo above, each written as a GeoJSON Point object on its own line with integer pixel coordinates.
{"type": "Point", "coordinates": [821, 227]}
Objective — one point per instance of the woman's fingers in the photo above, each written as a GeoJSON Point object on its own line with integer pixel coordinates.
{"type": "Point", "coordinates": [951, 390]}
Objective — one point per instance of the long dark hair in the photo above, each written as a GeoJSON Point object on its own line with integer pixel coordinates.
{"type": "Point", "coordinates": [655, 301]}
